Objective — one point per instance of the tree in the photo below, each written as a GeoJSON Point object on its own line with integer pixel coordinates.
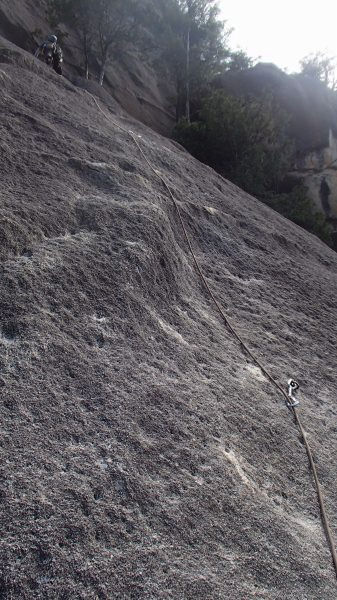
{"type": "Point", "coordinates": [185, 37]}
{"type": "Point", "coordinates": [104, 27]}
{"type": "Point", "coordinates": [78, 15]}
{"type": "Point", "coordinates": [247, 141]}
{"type": "Point", "coordinates": [169, 54]}
{"type": "Point", "coordinates": [320, 67]}
{"type": "Point", "coordinates": [299, 208]}
{"type": "Point", "coordinates": [238, 61]}
{"type": "Point", "coordinates": [205, 44]}
{"type": "Point", "coordinates": [244, 139]}
{"type": "Point", "coordinates": [116, 26]}
{"type": "Point", "coordinates": [189, 43]}
{"type": "Point", "coordinates": [192, 45]}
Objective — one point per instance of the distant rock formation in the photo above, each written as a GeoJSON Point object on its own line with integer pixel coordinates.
{"type": "Point", "coordinates": [318, 171]}
{"type": "Point", "coordinates": [313, 126]}
{"type": "Point", "coordinates": [311, 106]}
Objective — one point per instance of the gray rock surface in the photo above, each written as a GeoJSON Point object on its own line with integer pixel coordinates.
{"type": "Point", "coordinates": [130, 79]}
{"type": "Point", "coordinates": [317, 170]}
{"type": "Point", "coordinates": [142, 454]}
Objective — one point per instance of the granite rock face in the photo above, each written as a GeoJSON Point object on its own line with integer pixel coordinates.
{"type": "Point", "coordinates": [130, 80]}
{"type": "Point", "coordinates": [318, 171]}
{"type": "Point", "coordinates": [143, 455]}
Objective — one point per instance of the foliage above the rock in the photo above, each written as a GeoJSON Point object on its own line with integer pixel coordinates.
{"type": "Point", "coordinates": [245, 140]}
{"type": "Point", "coordinates": [321, 67]}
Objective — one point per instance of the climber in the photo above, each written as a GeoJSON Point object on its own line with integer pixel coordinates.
{"type": "Point", "coordinates": [52, 53]}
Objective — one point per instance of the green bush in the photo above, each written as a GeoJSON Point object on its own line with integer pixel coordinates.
{"type": "Point", "coordinates": [243, 139]}
{"type": "Point", "coordinates": [247, 141]}
{"type": "Point", "coordinates": [297, 207]}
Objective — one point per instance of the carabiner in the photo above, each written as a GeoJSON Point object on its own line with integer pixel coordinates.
{"type": "Point", "coordinates": [293, 388]}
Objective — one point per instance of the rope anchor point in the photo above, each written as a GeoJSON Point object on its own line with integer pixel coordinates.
{"type": "Point", "coordinates": [293, 388]}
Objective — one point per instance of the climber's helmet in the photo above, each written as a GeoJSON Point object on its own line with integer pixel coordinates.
{"type": "Point", "coordinates": [52, 39]}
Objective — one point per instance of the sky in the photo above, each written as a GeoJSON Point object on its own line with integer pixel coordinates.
{"type": "Point", "coordinates": [282, 31]}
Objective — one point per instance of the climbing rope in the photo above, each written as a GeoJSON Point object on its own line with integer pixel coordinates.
{"type": "Point", "coordinates": [290, 401]}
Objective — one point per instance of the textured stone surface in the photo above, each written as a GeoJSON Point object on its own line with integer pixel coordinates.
{"type": "Point", "coordinates": [142, 454]}
{"type": "Point", "coordinates": [318, 171]}
{"type": "Point", "coordinates": [130, 79]}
